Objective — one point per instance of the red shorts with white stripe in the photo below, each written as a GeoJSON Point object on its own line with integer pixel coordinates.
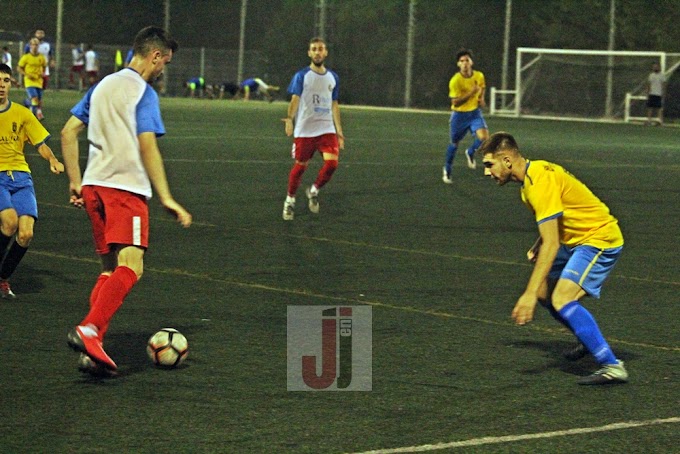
{"type": "Point", "coordinates": [117, 217]}
{"type": "Point", "coordinates": [304, 147]}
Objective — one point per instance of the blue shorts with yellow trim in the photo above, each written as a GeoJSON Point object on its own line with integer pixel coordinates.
{"type": "Point", "coordinates": [17, 192]}
{"type": "Point", "coordinates": [34, 92]}
{"type": "Point", "coordinates": [461, 123]}
{"type": "Point", "coordinates": [588, 266]}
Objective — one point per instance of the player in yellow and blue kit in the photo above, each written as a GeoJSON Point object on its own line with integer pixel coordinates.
{"type": "Point", "coordinates": [466, 90]}
{"type": "Point", "coordinates": [32, 66]}
{"type": "Point", "coordinates": [18, 206]}
{"type": "Point", "coordinates": [579, 244]}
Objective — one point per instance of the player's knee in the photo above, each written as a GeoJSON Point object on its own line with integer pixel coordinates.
{"type": "Point", "coordinates": [137, 268]}
{"type": "Point", "coordinates": [565, 292]}
{"type": "Point", "coordinates": [10, 224]}
{"type": "Point", "coordinates": [559, 301]}
{"type": "Point", "coordinates": [8, 229]}
{"type": "Point", "coordinates": [24, 238]}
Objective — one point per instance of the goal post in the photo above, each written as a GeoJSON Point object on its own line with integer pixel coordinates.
{"type": "Point", "coordinates": [579, 84]}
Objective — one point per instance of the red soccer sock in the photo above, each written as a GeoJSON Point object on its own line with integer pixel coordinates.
{"type": "Point", "coordinates": [97, 287]}
{"type": "Point", "coordinates": [326, 172]}
{"type": "Point", "coordinates": [295, 178]}
{"type": "Point", "coordinates": [111, 295]}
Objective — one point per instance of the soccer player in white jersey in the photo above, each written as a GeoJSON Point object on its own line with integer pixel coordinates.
{"type": "Point", "coordinates": [122, 114]}
{"type": "Point", "coordinates": [314, 121]}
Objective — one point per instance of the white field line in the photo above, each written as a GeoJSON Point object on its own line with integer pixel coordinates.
{"type": "Point", "coordinates": [534, 436]}
{"type": "Point", "coordinates": [422, 163]}
{"type": "Point", "coordinates": [665, 148]}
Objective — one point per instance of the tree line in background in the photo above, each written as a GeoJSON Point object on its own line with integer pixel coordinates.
{"type": "Point", "coordinates": [367, 38]}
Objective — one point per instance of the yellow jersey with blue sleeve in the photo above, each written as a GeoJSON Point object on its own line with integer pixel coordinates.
{"type": "Point", "coordinates": [551, 192]}
{"type": "Point", "coordinates": [460, 86]}
{"type": "Point", "coordinates": [34, 67]}
{"type": "Point", "coordinates": [18, 125]}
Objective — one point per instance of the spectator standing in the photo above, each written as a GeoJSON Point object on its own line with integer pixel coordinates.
{"type": "Point", "coordinates": [77, 67]}
{"type": "Point", "coordinates": [91, 66]}
{"type": "Point", "coordinates": [6, 57]}
{"type": "Point", "coordinates": [656, 90]}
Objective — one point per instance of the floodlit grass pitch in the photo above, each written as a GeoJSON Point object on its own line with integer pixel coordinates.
{"type": "Point", "coordinates": [442, 266]}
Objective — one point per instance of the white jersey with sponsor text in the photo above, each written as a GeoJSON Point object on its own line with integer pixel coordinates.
{"type": "Point", "coordinates": [317, 93]}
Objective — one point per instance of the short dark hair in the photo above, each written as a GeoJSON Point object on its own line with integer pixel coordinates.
{"type": "Point", "coordinates": [4, 69]}
{"type": "Point", "coordinates": [151, 38]}
{"type": "Point", "coordinates": [499, 141]}
{"type": "Point", "coordinates": [317, 39]}
{"type": "Point", "coordinates": [463, 52]}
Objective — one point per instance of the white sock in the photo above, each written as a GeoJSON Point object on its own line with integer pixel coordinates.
{"type": "Point", "coordinates": [314, 190]}
{"type": "Point", "coordinates": [290, 200]}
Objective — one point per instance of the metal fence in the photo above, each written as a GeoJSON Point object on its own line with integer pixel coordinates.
{"type": "Point", "coordinates": [216, 66]}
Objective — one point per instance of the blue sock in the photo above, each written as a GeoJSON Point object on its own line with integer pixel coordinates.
{"type": "Point", "coordinates": [556, 315]}
{"type": "Point", "coordinates": [473, 147]}
{"type": "Point", "coordinates": [585, 328]}
{"type": "Point", "coordinates": [450, 154]}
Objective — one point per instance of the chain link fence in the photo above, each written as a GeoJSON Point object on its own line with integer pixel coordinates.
{"type": "Point", "coordinates": [216, 66]}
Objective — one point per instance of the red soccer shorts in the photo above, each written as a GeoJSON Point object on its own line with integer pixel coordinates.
{"type": "Point", "coordinates": [304, 147]}
{"type": "Point", "coordinates": [117, 217]}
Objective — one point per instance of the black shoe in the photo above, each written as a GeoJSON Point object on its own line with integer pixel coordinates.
{"type": "Point", "coordinates": [576, 352]}
{"type": "Point", "coordinates": [609, 374]}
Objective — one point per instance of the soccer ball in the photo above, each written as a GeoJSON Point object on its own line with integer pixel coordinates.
{"type": "Point", "coordinates": [168, 348]}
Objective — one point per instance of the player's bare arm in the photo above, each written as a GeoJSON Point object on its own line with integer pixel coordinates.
{"type": "Point", "coordinates": [550, 243]}
{"type": "Point", "coordinates": [532, 253]}
{"type": "Point", "coordinates": [71, 154]}
{"type": "Point", "coordinates": [153, 164]}
{"type": "Point", "coordinates": [292, 110]}
{"type": "Point", "coordinates": [338, 124]}
{"type": "Point", "coordinates": [45, 151]}
{"type": "Point", "coordinates": [482, 102]}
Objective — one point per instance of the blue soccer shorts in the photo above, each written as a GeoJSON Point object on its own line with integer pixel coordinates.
{"type": "Point", "coordinates": [16, 191]}
{"type": "Point", "coordinates": [34, 92]}
{"type": "Point", "coordinates": [463, 122]}
{"type": "Point", "coordinates": [587, 266]}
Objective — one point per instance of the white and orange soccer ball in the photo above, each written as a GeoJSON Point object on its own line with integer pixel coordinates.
{"type": "Point", "coordinates": [167, 348]}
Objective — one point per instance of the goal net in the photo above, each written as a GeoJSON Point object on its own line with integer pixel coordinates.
{"type": "Point", "coordinates": [581, 84]}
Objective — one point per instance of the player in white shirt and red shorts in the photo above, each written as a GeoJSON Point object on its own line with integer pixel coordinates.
{"type": "Point", "coordinates": [314, 121]}
{"type": "Point", "coordinates": [122, 116]}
